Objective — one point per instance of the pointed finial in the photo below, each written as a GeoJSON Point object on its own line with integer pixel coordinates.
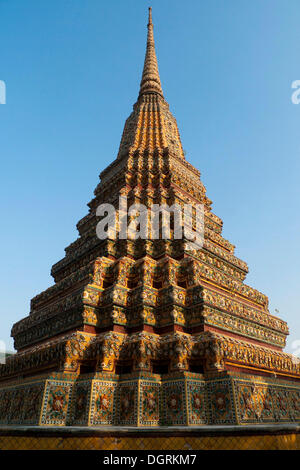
{"type": "Point", "coordinates": [150, 82]}
{"type": "Point", "coordinates": [150, 16]}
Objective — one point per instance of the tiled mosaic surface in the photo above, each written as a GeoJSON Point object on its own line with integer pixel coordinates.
{"type": "Point", "coordinates": [21, 404]}
{"type": "Point", "coordinates": [32, 404]}
{"type": "Point", "coordinates": [221, 402]}
{"type": "Point", "coordinates": [262, 401]}
{"type": "Point", "coordinates": [103, 403]}
{"type": "Point", "coordinates": [56, 403]}
{"type": "Point", "coordinates": [151, 401]}
{"type": "Point", "coordinates": [197, 403]}
{"type": "Point", "coordinates": [174, 403]}
{"type": "Point", "coordinates": [127, 410]}
{"type": "Point", "coordinates": [81, 403]}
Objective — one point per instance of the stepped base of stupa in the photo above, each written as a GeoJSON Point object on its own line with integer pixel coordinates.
{"type": "Point", "coordinates": [142, 399]}
{"type": "Point", "coordinates": [143, 379]}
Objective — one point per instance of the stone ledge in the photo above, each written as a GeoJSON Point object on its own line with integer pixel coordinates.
{"type": "Point", "coordinates": [77, 431]}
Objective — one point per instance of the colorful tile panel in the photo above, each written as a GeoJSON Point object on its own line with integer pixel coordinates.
{"type": "Point", "coordinates": [150, 403]}
{"type": "Point", "coordinates": [128, 403]}
{"type": "Point", "coordinates": [56, 403]}
{"type": "Point", "coordinates": [103, 403]}
{"type": "Point", "coordinates": [174, 403]}
{"type": "Point", "coordinates": [196, 402]}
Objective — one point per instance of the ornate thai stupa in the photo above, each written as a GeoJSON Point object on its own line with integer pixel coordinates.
{"type": "Point", "coordinates": [149, 332]}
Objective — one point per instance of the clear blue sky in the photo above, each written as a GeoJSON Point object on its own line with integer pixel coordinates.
{"type": "Point", "coordinates": [72, 70]}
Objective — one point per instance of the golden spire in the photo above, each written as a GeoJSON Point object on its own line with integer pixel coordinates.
{"type": "Point", "coordinates": [151, 126]}
{"type": "Point", "coordinates": [150, 82]}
